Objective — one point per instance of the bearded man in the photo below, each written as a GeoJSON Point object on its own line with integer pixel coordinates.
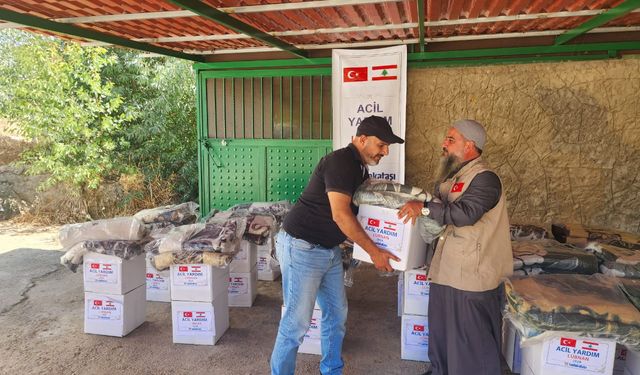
{"type": "Point", "coordinates": [308, 251]}
{"type": "Point", "coordinates": [472, 257]}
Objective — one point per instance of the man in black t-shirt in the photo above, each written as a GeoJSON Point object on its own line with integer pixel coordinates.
{"type": "Point", "coordinates": [308, 251]}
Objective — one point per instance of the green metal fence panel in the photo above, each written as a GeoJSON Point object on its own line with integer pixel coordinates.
{"type": "Point", "coordinates": [261, 133]}
{"type": "Point", "coordinates": [237, 172]}
{"type": "Point", "coordinates": [289, 169]}
{"type": "Point", "coordinates": [259, 170]}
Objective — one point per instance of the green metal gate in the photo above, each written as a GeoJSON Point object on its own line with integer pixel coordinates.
{"type": "Point", "coordinates": [261, 132]}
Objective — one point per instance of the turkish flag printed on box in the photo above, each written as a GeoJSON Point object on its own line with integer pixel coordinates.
{"type": "Point", "coordinates": [373, 222]}
{"type": "Point", "coordinates": [568, 342]}
{"type": "Point", "coordinates": [418, 328]}
{"type": "Point", "coordinates": [187, 314]}
{"type": "Point", "coordinates": [421, 277]}
{"type": "Point", "coordinates": [355, 74]}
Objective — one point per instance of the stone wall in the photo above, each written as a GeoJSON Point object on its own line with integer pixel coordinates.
{"type": "Point", "coordinates": [564, 137]}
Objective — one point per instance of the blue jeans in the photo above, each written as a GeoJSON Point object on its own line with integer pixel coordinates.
{"type": "Point", "coordinates": [308, 272]}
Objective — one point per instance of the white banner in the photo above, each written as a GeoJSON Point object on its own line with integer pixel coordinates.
{"type": "Point", "coordinates": [371, 82]}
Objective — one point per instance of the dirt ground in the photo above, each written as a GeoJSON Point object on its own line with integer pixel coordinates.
{"type": "Point", "coordinates": [41, 313]}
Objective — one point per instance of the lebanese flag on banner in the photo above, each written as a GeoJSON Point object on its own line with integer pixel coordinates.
{"type": "Point", "coordinates": [384, 72]}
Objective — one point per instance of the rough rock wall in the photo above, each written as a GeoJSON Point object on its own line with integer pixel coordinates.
{"type": "Point", "coordinates": [564, 137]}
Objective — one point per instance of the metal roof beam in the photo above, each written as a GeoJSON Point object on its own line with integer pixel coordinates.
{"type": "Point", "coordinates": [231, 10]}
{"type": "Point", "coordinates": [374, 43]}
{"type": "Point", "coordinates": [339, 30]}
{"type": "Point", "coordinates": [599, 20]}
{"type": "Point", "coordinates": [224, 19]}
{"type": "Point", "coordinates": [311, 5]}
{"type": "Point", "coordinates": [44, 24]}
{"type": "Point", "coordinates": [421, 22]}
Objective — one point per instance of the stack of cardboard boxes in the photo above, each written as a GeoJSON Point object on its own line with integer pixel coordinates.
{"type": "Point", "coordinates": [268, 268]}
{"type": "Point", "coordinates": [312, 344]}
{"type": "Point", "coordinates": [243, 276]}
{"type": "Point", "coordinates": [199, 303]}
{"type": "Point", "coordinates": [158, 283]}
{"type": "Point", "coordinates": [566, 353]}
{"type": "Point", "coordinates": [114, 294]}
{"type": "Point", "coordinates": [413, 306]}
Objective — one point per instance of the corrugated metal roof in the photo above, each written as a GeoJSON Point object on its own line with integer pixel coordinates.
{"type": "Point", "coordinates": [314, 24]}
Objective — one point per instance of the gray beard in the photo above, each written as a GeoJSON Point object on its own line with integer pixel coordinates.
{"type": "Point", "coordinates": [448, 164]}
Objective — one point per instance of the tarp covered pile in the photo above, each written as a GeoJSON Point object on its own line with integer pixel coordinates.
{"type": "Point", "coordinates": [590, 305]}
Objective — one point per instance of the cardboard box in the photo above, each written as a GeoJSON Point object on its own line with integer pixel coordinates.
{"type": "Point", "coordinates": [414, 339]}
{"type": "Point", "coordinates": [246, 258]}
{"type": "Point", "coordinates": [391, 234]}
{"type": "Point", "coordinates": [200, 323]}
{"type": "Point", "coordinates": [158, 283]}
{"type": "Point", "coordinates": [243, 288]}
{"type": "Point", "coordinates": [114, 314]}
{"type": "Point", "coordinates": [267, 269]}
{"type": "Point", "coordinates": [632, 363]}
{"type": "Point", "coordinates": [111, 274]}
{"type": "Point", "coordinates": [415, 292]}
{"type": "Point", "coordinates": [620, 361]}
{"type": "Point", "coordinates": [564, 353]}
{"type": "Point", "coordinates": [198, 282]}
{"type": "Point", "coordinates": [311, 344]}
{"type": "Point", "coordinates": [511, 350]}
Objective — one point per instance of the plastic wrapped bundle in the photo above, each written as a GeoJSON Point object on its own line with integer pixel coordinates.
{"type": "Point", "coordinates": [586, 304]}
{"type": "Point", "coordinates": [631, 289]}
{"type": "Point", "coordinates": [549, 256]}
{"type": "Point", "coordinates": [122, 249]}
{"type": "Point", "coordinates": [395, 195]}
{"type": "Point", "coordinates": [119, 228]}
{"type": "Point", "coordinates": [259, 227]}
{"type": "Point", "coordinates": [183, 213]}
{"type": "Point", "coordinates": [520, 232]}
{"type": "Point", "coordinates": [223, 236]}
{"type": "Point", "coordinates": [163, 261]}
{"type": "Point", "coordinates": [580, 235]}
{"type": "Point", "coordinates": [616, 261]}
{"type": "Point", "coordinates": [212, 243]}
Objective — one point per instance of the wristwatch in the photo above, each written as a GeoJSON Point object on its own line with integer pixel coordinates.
{"type": "Point", "coordinates": [425, 210]}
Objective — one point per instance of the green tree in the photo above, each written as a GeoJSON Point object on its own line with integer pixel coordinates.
{"type": "Point", "coordinates": [54, 91]}
{"type": "Point", "coordinates": [97, 113]}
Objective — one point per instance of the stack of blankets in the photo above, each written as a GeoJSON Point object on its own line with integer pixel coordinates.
{"type": "Point", "coordinates": [618, 252]}
{"type": "Point", "coordinates": [168, 234]}
{"type": "Point", "coordinates": [121, 236]}
{"type": "Point", "coordinates": [262, 219]}
{"type": "Point", "coordinates": [533, 257]}
{"type": "Point", "coordinates": [590, 305]}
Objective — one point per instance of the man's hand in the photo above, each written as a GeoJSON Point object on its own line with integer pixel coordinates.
{"type": "Point", "coordinates": [381, 260]}
{"type": "Point", "coordinates": [410, 211]}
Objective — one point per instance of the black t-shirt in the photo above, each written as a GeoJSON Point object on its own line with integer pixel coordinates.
{"type": "Point", "coordinates": [310, 218]}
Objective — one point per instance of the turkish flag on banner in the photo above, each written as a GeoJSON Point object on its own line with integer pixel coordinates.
{"type": "Point", "coordinates": [355, 74]}
{"type": "Point", "coordinates": [456, 188]}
